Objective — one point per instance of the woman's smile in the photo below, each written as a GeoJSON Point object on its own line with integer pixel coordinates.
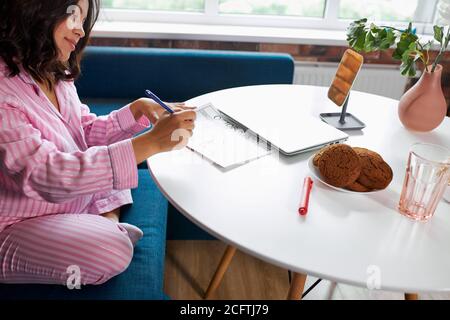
{"type": "Point", "coordinates": [72, 44]}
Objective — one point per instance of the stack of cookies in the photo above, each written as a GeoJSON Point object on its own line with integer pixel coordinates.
{"type": "Point", "coordinates": [356, 169]}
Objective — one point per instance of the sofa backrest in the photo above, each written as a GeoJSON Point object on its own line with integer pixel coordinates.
{"type": "Point", "coordinates": [176, 74]}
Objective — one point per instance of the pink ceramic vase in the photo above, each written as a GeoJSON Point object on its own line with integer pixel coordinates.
{"type": "Point", "coordinates": [423, 107]}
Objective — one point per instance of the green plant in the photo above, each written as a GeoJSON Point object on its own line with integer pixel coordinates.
{"type": "Point", "coordinates": [366, 37]}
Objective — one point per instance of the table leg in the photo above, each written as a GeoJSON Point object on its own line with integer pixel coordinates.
{"type": "Point", "coordinates": [411, 296]}
{"type": "Point", "coordinates": [220, 271]}
{"type": "Point", "coordinates": [297, 286]}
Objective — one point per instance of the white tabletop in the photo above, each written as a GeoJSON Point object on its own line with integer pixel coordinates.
{"type": "Point", "coordinates": [345, 237]}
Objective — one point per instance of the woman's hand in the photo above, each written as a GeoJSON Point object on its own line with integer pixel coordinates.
{"type": "Point", "coordinates": [152, 110]}
{"type": "Point", "coordinates": [170, 132]}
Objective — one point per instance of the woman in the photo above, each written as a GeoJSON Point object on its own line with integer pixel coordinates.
{"type": "Point", "coordinates": [64, 172]}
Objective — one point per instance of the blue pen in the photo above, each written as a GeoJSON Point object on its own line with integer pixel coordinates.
{"type": "Point", "coordinates": [153, 96]}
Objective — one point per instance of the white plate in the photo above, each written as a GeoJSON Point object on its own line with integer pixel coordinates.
{"type": "Point", "coordinates": [316, 173]}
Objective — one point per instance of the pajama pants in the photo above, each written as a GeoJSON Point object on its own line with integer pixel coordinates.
{"type": "Point", "coordinates": [67, 249]}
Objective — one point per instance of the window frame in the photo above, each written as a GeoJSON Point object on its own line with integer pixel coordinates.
{"type": "Point", "coordinates": [211, 16]}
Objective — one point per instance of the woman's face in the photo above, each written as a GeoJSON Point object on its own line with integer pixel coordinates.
{"type": "Point", "coordinates": [70, 31]}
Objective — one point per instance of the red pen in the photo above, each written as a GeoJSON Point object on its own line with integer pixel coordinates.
{"type": "Point", "coordinates": [307, 185]}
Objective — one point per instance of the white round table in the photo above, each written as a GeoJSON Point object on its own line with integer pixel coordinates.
{"type": "Point", "coordinates": [358, 239]}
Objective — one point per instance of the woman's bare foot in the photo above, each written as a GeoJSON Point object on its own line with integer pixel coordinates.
{"type": "Point", "coordinates": [112, 215]}
{"type": "Point", "coordinates": [134, 232]}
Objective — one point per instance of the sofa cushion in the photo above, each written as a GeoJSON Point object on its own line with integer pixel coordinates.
{"type": "Point", "coordinates": [176, 74]}
{"type": "Point", "coordinates": [104, 106]}
{"type": "Point", "coordinates": [144, 277]}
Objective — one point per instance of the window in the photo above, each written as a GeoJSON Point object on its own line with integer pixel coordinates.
{"type": "Point", "coordinates": [300, 8]}
{"type": "Point", "coordinates": [163, 5]}
{"type": "Point", "coordinates": [443, 12]}
{"type": "Point", "coordinates": [402, 10]}
{"type": "Point", "coordinates": [313, 14]}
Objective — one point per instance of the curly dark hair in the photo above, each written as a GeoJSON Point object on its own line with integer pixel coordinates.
{"type": "Point", "coordinates": [26, 38]}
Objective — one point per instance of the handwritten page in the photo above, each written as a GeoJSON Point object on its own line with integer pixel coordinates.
{"type": "Point", "coordinates": [223, 141]}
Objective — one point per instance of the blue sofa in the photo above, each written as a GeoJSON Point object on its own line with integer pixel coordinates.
{"type": "Point", "coordinates": [114, 76]}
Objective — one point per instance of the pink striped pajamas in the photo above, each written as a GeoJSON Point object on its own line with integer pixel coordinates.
{"type": "Point", "coordinates": [58, 172]}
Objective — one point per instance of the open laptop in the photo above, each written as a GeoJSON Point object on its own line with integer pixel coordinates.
{"type": "Point", "coordinates": [292, 133]}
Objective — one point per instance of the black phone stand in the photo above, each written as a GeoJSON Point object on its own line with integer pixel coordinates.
{"type": "Point", "coordinates": [343, 120]}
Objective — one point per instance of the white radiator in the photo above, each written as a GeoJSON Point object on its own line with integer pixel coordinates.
{"type": "Point", "coordinates": [384, 80]}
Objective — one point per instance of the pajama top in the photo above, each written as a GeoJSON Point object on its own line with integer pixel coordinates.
{"type": "Point", "coordinates": [53, 162]}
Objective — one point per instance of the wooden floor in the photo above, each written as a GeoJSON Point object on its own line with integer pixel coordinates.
{"type": "Point", "coordinates": [191, 264]}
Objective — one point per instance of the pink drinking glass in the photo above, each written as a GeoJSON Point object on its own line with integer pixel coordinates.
{"type": "Point", "coordinates": [427, 176]}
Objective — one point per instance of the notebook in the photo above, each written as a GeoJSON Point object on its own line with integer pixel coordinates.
{"type": "Point", "coordinates": [223, 142]}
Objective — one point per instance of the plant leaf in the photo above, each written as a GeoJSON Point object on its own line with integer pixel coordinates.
{"type": "Point", "coordinates": [406, 40]}
{"type": "Point", "coordinates": [438, 33]}
{"type": "Point", "coordinates": [388, 41]}
{"type": "Point", "coordinates": [410, 29]}
{"type": "Point", "coordinates": [408, 68]}
{"type": "Point", "coordinates": [356, 34]}
{"type": "Point", "coordinates": [428, 45]}
{"type": "Point", "coordinates": [409, 58]}
{"type": "Point", "coordinates": [369, 42]}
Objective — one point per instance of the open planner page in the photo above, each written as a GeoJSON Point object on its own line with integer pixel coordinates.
{"type": "Point", "coordinates": [222, 141]}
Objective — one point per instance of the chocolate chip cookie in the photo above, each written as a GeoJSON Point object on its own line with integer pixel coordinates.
{"type": "Point", "coordinates": [318, 155]}
{"type": "Point", "coordinates": [339, 165]}
{"type": "Point", "coordinates": [375, 172]}
{"type": "Point", "coordinates": [358, 187]}
{"type": "Point", "coordinates": [367, 151]}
